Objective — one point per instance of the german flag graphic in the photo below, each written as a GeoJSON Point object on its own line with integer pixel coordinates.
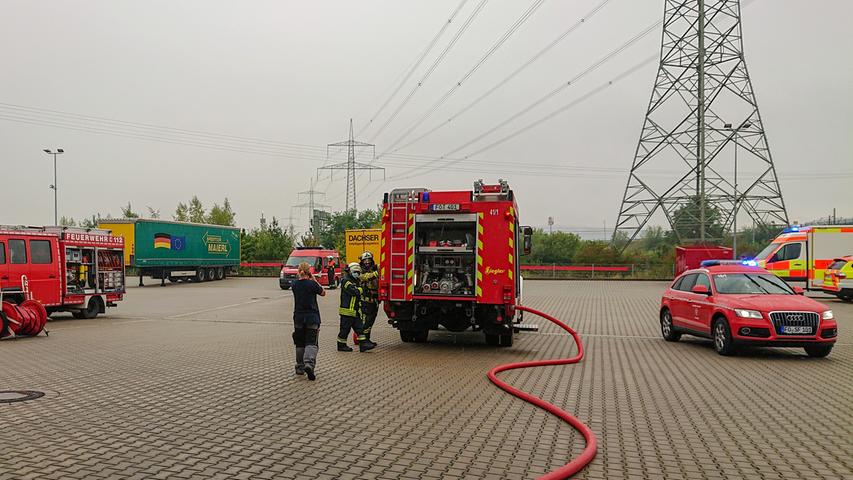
{"type": "Point", "coordinates": [163, 240]}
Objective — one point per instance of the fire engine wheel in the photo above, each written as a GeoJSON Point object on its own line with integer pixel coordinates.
{"type": "Point", "coordinates": [77, 314]}
{"type": "Point", "coordinates": [416, 336]}
{"type": "Point", "coordinates": [93, 308]}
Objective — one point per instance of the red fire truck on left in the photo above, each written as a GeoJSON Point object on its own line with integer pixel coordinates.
{"type": "Point", "coordinates": [65, 268]}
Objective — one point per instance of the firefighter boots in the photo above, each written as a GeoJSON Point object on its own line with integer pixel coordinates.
{"type": "Point", "coordinates": [365, 345]}
{"type": "Point", "coordinates": [343, 347]}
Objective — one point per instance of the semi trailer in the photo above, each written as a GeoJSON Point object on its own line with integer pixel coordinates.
{"type": "Point", "coordinates": [178, 251]}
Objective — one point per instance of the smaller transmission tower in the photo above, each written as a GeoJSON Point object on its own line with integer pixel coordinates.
{"type": "Point", "coordinates": [351, 165]}
{"type": "Point", "coordinates": [314, 215]}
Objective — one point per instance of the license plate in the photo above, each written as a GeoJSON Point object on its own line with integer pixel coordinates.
{"type": "Point", "coordinates": [796, 330]}
{"type": "Point", "coordinates": [444, 207]}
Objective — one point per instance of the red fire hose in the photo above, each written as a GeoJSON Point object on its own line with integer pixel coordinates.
{"type": "Point", "coordinates": [588, 453]}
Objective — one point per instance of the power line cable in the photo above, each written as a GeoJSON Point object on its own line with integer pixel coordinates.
{"type": "Point", "coordinates": [508, 78]}
{"type": "Point", "coordinates": [550, 95]}
{"type": "Point", "coordinates": [59, 114]}
{"type": "Point", "coordinates": [432, 67]}
{"type": "Point", "coordinates": [415, 66]}
{"type": "Point", "coordinates": [500, 41]}
{"type": "Point", "coordinates": [595, 66]}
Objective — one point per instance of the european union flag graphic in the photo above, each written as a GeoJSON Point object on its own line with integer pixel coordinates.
{"type": "Point", "coordinates": [179, 243]}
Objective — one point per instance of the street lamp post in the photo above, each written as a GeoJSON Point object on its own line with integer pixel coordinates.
{"type": "Point", "coordinates": [58, 151]}
{"type": "Point", "coordinates": [735, 134]}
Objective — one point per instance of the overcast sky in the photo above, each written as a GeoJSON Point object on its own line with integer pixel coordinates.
{"type": "Point", "coordinates": [265, 85]}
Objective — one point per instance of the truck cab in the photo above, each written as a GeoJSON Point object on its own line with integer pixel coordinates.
{"type": "Point", "coordinates": [803, 253]}
{"type": "Point", "coordinates": [320, 259]}
{"type": "Point", "coordinates": [63, 268]}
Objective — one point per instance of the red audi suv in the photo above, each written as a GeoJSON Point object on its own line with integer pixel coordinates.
{"type": "Point", "coordinates": [737, 305]}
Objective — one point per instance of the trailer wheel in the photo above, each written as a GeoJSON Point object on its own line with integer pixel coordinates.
{"type": "Point", "coordinates": [201, 275]}
{"type": "Point", "coordinates": [220, 273]}
{"type": "Point", "coordinates": [93, 308]}
{"type": "Point", "coordinates": [211, 274]}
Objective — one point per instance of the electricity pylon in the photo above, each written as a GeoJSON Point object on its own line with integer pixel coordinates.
{"type": "Point", "coordinates": [351, 165]}
{"type": "Point", "coordinates": [702, 89]}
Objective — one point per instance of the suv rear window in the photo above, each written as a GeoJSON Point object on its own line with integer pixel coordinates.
{"type": "Point", "coordinates": [686, 283]}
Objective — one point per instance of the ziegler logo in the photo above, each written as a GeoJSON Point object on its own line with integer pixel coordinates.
{"type": "Point", "coordinates": [496, 271]}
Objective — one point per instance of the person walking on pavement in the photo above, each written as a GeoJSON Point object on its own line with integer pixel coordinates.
{"type": "Point", "coordinates": [350, 311]}
{"type": "Point", "coordinates": [306, 320]}
{"type": "Point", "coordinates": [369, 280]}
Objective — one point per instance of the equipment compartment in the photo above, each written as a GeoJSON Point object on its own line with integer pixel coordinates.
{"type": "Point", "coordinates": [445, 256]}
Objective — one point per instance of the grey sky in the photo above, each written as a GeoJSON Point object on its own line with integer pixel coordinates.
{"type": "Point", "coordinates": [295, 72]}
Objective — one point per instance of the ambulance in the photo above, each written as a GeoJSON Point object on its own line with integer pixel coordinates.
{"type": "Point", "coordinates": [803, 253]}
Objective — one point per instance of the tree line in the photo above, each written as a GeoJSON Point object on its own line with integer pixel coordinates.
{"type": "Point", "coordinates": [271, 241]}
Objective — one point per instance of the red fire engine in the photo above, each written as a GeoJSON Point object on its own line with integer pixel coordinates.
{"type": "Point", "coordinates": [451, 259]}
{"type": "Point", "coordinates": [64, 268]}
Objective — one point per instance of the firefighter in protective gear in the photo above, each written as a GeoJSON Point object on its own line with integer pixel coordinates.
{"type": "Point", "coordinates": [350, 311]}
{"type": "Point", "coordinates": [369, 280]}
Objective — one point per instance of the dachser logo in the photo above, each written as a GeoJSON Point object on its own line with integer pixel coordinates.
{"type": "Point", "coordinates": [495, 271]}
{"type": "Point", "coordinates": [366, 238]}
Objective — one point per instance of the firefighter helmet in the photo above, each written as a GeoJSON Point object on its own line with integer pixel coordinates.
{"type": "Point", "coordinates": [355, 268]}
{"type": "Point", "coordinates": [365, 256]}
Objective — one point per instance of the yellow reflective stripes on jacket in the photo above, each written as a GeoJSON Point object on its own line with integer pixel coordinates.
{"type": "Point", "coordinates": [350, 293]}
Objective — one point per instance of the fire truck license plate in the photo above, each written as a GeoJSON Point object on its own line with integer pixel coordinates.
{"type": "Point", "coordinates": [444, 207]}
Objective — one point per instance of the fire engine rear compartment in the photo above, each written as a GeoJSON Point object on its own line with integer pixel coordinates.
{"type": "Point", "coordinates": [445, 255]}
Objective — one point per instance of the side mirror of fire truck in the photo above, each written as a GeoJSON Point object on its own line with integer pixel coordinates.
{"type": "Point", "coordinates": [527, 233]}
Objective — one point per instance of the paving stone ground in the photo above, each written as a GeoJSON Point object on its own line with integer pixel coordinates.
{"type": "Point", "coordinates": [196, 381]}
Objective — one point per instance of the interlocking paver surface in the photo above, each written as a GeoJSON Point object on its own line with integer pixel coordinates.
{"type": "Point", "coordinates": [195, 381]}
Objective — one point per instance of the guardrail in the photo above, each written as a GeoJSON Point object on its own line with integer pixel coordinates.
{"type": "Point", "coordinates": [664, 271]}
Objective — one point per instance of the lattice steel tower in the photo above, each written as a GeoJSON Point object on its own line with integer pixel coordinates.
{"type": "Point", "coordinates": [351, 166]}
{"type": "Point", "coordinates": [701, 116]}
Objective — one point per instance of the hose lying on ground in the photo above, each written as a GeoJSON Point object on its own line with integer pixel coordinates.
{"type": "Point", "coordinates": [589, 451]}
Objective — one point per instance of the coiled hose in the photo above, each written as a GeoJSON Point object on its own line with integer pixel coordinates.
{"type": "Point", "coordinates": [591, 448]}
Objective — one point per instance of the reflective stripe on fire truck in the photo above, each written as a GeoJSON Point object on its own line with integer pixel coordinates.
{"type": "Point", "coordinates": [410, 263]}
{"type": "Point", "coordinates": [382, 240]}
{"type": "Point", "coordinates": [511, 235]}
{"type": "Point", "coordinates": [480, 231]}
